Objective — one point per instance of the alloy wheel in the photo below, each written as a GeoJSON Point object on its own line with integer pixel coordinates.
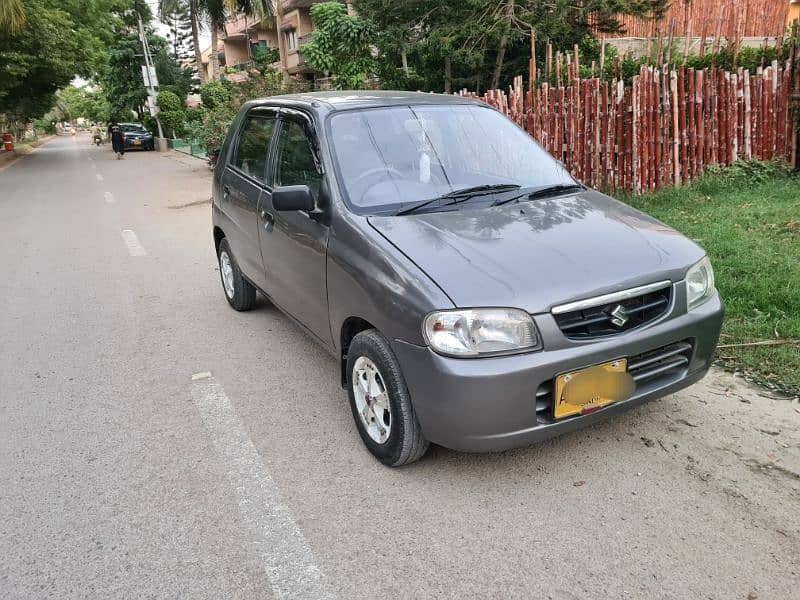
{"type": "Point", "coordinates": [226, 268]}
{"type": "Point", "coordinates": [372, 400]}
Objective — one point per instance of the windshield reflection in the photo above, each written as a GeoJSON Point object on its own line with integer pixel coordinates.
{"type": "Point", "coordinates": [392, 158]}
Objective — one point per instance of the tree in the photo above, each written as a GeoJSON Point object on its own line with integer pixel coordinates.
{"type": "Point", "coordinates": [171, 113]}
{"type": "Point", "coordinates": [448, 42]}
{"type": "Point", "coordinates": [430, 35]}
{"type": "Point", "coordinates": [171, 75]}
{"type": "Point", "coordinates": [180, 29]}
{"type": "Point", "coordinates": [41, 57]}
{"type": "Point", "coordinates": [74, 102]}
{"type": "Point", "coordinates": [341, 45]}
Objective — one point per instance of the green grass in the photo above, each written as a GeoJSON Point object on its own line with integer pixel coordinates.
{"type": "Point", "coordinates": [747, 217]}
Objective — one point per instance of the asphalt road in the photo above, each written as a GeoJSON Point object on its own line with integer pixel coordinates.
{"type": "Point", "coordinates": [156, 444]}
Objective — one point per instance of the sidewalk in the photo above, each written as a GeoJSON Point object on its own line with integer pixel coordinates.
{"type": "Point", "coordinates": [196, 164]}
{"type": "Point", "coordinates": [21, 149]}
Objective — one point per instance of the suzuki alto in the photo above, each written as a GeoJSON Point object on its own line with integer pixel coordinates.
{"type": "Point", "coordinates": [474, 294]}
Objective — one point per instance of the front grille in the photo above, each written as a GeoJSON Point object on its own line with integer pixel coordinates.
{"type": "Point", "coordinates": [599, 321]}
{"type": "Point", "coordinates": [650, 370]}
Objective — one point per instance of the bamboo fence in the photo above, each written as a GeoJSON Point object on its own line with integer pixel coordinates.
{"type": "Point", "coordinates": [663, 128]}
{"type": "Point", "coordinates": [732, 19]}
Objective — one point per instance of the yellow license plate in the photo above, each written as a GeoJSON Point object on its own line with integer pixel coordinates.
{"type": "Point", "coordinates": [587, 390]}
{"type": "Point", "coordinates": [136, 142]}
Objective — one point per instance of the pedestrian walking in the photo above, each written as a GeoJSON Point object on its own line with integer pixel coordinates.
{"type": "Point", "coordinates": [117, 138]}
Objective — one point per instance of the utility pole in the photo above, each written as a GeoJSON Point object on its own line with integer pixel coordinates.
{"type": "Point", "coordinates": [148, 79]}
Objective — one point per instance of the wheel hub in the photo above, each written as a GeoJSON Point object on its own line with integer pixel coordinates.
{"type": "Point", "coordinates": [372, 400]}
{"type": "Point", "coordinates": [226, 269]}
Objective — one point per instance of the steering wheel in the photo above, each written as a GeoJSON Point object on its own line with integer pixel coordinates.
{"type": "Point", "coordinates": [369, 174]}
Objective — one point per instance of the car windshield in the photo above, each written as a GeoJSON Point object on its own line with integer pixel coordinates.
{"type": "Point", "coordinates": [392, 158]}
{"type": "Point", "coordinates": [133, 128]}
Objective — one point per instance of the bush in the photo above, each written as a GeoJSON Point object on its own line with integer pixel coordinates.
{"type": "Point", "coordinates": [214, 95]}
{"type": "Point", "coordinates": [211, 131]}
{"type": "Point", "coordinates": [172, 122]}
{"type": "Point", "coordinates": [169, 101]}
{"type": "Point", "coordinates": [194, 115]}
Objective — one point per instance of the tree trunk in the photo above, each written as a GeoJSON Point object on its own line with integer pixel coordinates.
{"type": "Point", "coordinates": [214, 58]}
{"type": "Point", "coordinates": [404, 60]}
{"type": "Point", "coordinates": [501, 51]}
{"type": "Point", "coordinates": [448, 75]}
{"type": "Point", "coordinates": [498, 65]}
{"type": "Point", "coordinates": [198, 53]}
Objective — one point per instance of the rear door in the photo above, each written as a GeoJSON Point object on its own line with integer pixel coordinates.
{"type": "Point", "coordinates": [294, 243]}
{"type": "Point", "coordinates": [243, 181]}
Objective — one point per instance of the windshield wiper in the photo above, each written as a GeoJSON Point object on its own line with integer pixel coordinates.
{"type": "Point", "coordinates": [544, 192]}
{"type": "Point", "coordinates": [478, 189]}
{"type": "Point", "coordinates": [459, 196]}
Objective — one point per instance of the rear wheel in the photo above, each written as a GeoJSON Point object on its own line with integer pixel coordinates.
{"type": "Point", "coordinates": [240, 293]}
{"type": "Point", "coordinates": [380, 402]}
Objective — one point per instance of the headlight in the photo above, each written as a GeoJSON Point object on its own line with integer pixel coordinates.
{"type": "Point", "coordinates": [480, 332]}
{"type": "Point", "coordinates": [699, 283]}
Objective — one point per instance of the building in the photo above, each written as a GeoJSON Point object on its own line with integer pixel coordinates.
{"type": "Point", "coordinates": [243, 35]}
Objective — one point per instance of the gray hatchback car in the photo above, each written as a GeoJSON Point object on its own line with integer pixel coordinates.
{"type": "Point", "coordinates": [474, 293]}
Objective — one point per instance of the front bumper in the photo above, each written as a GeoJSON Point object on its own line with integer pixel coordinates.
{"type": "Point", "coordinates": [481, 405]}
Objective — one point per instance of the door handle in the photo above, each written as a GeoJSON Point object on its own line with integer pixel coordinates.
{"type": "Point", "coordinates": [226, 192]}
{"type": "Point", "coordinates": [269, 220]}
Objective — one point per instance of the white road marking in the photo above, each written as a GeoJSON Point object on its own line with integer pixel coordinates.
{"type": "Point", "coordinates": [99, 177]}
{"type": "Point", "coordinates": [285, 555]}
{"type": "Point", "coordinates": [109, 197]}
{"type": "Point", "coordinates": [203, 375]}
{"type": "Point", "coordinates": [135, 248]}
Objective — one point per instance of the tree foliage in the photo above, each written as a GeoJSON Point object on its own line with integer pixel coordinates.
{"type": "Point", "coordinates": [74, 102]}
{"type": "Point", "coordinates": [57, 41]}
{"type": "Point", "coordinates": [341, 45]}
{"type": "Point", "coordinates": [444, 44]}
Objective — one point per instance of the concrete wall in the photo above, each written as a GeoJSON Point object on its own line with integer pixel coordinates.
{"type": "Point", "coordinates": [638, 46]}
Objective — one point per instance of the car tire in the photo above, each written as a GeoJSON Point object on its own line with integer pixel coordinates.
{"type": "Point", "coordinates": [240, 293]}
{"type": "Point", "coordinates": [404, 442]}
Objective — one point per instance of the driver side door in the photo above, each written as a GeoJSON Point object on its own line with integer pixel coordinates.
{"type": "Point", "coordinates": [294, 243]}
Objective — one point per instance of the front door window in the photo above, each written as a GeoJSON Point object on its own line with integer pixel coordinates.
{"type": "Point", "coordinates": [296, 164]}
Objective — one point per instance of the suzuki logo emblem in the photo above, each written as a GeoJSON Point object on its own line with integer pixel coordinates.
{"type": "Point", "coordinates": [619, 316]}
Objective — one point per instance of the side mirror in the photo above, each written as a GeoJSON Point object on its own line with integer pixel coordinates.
{"type": "Point", "coordinates": [293, 197]}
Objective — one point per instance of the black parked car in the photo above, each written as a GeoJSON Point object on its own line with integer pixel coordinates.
{"type": "Point", "coordinates": [137, 137]}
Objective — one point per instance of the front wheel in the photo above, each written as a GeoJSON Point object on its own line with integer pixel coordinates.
{"type": "Point", "coordinates": [239, 292]}
{"type": "Point", "coordinates": [380, 402]}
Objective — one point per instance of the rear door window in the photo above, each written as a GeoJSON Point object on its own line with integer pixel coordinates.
{"type": "Point", "coordinates": [251, 153]}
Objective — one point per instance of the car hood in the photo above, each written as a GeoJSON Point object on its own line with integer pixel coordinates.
{"type": "Point", "coordinates": [540, 253]}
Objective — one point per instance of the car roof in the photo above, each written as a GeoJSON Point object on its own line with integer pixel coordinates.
{"type": "Point", "coordinates": [350, 99]}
